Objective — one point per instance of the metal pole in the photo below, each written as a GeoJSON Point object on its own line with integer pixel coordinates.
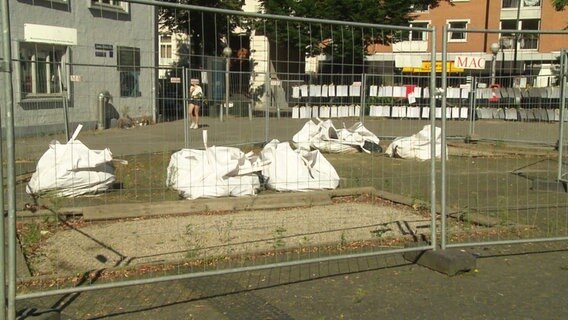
{"type": "Point", "coordinates": [227, 82]}
{"type": "Point", "coordinates": [10, 160]}
{"type": "Point", "coordinates": [516, 36]}
{"type": "Point", "coordinates": [472, 104]}
{"type": "Point", "coordinates": [63, 91]}
{"type": "Point", "coordinates": [186, 99]}
{"type": "Point", "coordinates": [222, 271]}
{"type": "Point", "coordinates": [274, 97]}
{"type": "Point", "coordinates": [493, 67]}
{"type": "Point", "coordinates": [563, 71]}
{"type": "Point", "coordinates": [251, 105]}
{"type": "Point", "coordinates": [363, 98]}
{"type": "Point", "coordinates": [7, 78]}
{"type": "Point", "coordinates": [443, 153]}
{"type": "Point", "coordinates": [267, 103]}
{"type": "Point", "coordinates": [433, 134]}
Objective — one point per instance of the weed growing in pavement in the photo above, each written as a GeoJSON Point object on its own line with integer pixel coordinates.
{"type": "Point", "coordinates": [279, 238]}
{"type": "Point", "coordinates": [343, 239]}
{"type": "Point", "coordinates": [193, 241]}
{"type": "Point", "coordinates": [360, 294]}
{"type": "Point", "coordinates": [500, 145]}
{"type": "Point", "coordinates": [55, 205]}
{"type": "Point", "coordinates": [224, 231]}
{"type": "Point", "coordinates": [380, 231]}
{"type": "Point", "coordinates": [357, 182]}
{"type": "Point", "coordinates": [420, 205]}
{"type": "Point", "coordinates": [305, 241]}
{"type": "Point", "coordinates": [503, 211]}
{"type": "Point", "coordinates": [123, 174]}
{"type": "Point", "coordinates": [32, 235]}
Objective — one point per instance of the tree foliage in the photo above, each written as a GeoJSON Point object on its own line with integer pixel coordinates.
{"type": "Point", "coordinates": [341, 42]}
{"type": "Point", "coordinates": [206, 29]}
{"type": "Point", "coordinates": [560, 4]}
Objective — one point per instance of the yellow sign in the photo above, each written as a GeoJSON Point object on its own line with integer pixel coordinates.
{"type": "Point", "coordinates": [427, 66]}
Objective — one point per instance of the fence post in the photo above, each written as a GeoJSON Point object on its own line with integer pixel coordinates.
{"type": "Point", "coordinates": [267, 101]}
{"type": "Point", "coordinates": [472, 105]}
{"type": "Point", "coordinates": [63, 91]}
{"type": "Point", "coordinates": [186, 98]}
{"type": "Point", "coordinates": [443, 153]}
{"type": "Point", "coordinates": [11, 177]}
{"type": "Point", "coordinates": [563, 71]}
{"type": "Point", "coordinates": [363, 98]}
{"type": "Point", "coordinates": [433, 143]}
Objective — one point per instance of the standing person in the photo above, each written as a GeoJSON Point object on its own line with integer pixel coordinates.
{"type": "Point", "coordinates": [196, 98]}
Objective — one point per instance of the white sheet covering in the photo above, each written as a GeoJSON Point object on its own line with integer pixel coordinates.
{"type": "Point", "coordinates": [214, 172]}
{"type": "Point", "coordinates": [72, 169]}
{"type": "Point", "coordinates": [324, 136]}
{"type": "Point", "coordinates": [417, 146]}
{"type": "Point", "coordinates": [296, 170]}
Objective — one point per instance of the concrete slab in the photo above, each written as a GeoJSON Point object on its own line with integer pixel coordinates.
{"type": "Point", "coordinates": [449, 261]}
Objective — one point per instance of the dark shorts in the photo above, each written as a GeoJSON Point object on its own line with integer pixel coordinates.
{"type": "Point", "coordinates": [196, 102]}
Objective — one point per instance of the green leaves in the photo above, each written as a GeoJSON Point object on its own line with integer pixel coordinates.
{"type": "Point", "coordinates": [560, 4]}
{"type": "Point", "coordinates": [344, 44]}
{"type": "Point", "coordinates": [206, 29]}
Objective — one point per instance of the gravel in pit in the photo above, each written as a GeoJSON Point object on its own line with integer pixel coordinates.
{"type": "Point", "coordinates": [170, 239]}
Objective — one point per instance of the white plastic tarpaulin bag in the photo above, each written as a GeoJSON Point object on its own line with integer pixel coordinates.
{"type": "Point", "coordinates": [296, 170]}
{"type": "Point", "coordinates": [324, 136]}
{"type": "Point", "coordinates": [72, 169]}
{"type": "Point", "coordinates": [213, 172]}
{"type": "Point", "coordinates": [417, 146]}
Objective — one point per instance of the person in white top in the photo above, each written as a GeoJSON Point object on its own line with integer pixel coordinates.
{"type": "Point", "coordinates": [196, 99]}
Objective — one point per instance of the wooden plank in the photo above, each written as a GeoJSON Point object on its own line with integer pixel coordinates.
{"type": "Point", "coordinates": [271, 201]}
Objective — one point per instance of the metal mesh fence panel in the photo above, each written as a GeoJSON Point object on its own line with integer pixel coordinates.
{"type": "Point", "coordinates": [266, 81]}
{"type": "Point", "coordinates": [502, 182]}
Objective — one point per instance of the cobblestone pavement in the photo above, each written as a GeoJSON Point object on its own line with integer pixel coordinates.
{"type": "Point", "coordinates": [511, 282]}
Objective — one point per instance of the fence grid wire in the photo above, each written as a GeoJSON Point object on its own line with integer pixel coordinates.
{"type": "Point", "coordinates": [490, 172]}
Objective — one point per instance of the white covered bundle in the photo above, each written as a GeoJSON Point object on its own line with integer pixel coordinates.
{"type": "Point", "coordinates": [213, 172]}
{"type": "Point", "coordinates": [296, 170]}
{"type": "Point", "coordinates": [417, 146]}
{"type": "Point", "coordinates": [72, 169]}
{"type": "Point", "coordinates": [324, 136]}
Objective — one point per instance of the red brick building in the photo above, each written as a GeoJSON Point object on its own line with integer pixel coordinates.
{"type": "Point", "coordinates": [523, 54]}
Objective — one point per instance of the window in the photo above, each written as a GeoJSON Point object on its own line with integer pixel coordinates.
{"type": "Point", "coordinates": [524, 41]}
{"type": "Point", "coordinates": [113, 5]}
{"type": "Point", "coordinates": [418, 35]}
{"type": "Point", "coordinates": [529, 40]}
{"type": "Point", "coordinates": [166, 47]}
{"type": "Point", "coordinates": [129, 68]}
{"type": "Point", "coordinates": [40, 69]}
{"type": "Point", "coordinates": [508, 4]}
{"type": "Point", "coordinates": [457, 36]}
